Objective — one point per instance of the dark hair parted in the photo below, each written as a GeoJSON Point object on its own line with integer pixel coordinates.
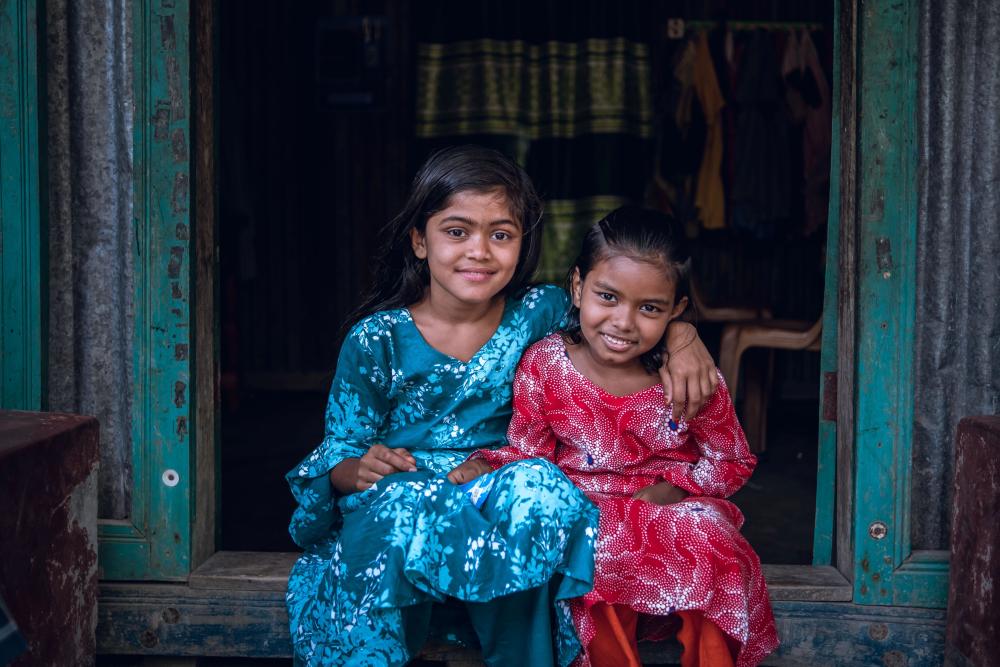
{"type": "Point", "coordinates": [642, 235]}
{"type": "Point", "coordinates": [399, 277]}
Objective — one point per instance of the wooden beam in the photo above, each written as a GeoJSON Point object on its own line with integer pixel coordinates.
{"type": "Point", "coordinates": [845, 195]}
{"type": "Point", "coordinates": [268, 571]}
{"type": "Point", "coordinates": [206, 360]}
{"type": "Point", "coordinates": [170, 619]}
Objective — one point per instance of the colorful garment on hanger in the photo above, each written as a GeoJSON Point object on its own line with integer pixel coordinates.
{"type": "Point", "coordinates": [762, 182]}
{"type": "Point", "coordinates": [711, 196]}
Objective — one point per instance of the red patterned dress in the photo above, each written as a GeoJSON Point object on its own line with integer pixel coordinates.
{"type": "Point", "coordinates": [655, 559]}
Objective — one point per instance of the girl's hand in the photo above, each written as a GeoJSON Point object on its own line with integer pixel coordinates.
{"type": "Point", "coordinates": [469, 470]}
{"type": "Point", "coordinates": [380, 461]}
{"type": "Point", "coordinates": [352, 475]}
{"type": "Point", "coordinates": [689, 376]}
{"type": "Point", "coordinates": [663, 493]}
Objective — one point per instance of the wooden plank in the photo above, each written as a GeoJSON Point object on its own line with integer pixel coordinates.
{"type": "Point", "coordinates": [268, 571]}
{"type": "Point", "coordinates": [886, 293]}
{"type": "Point", "coordinates": [804, 582]}
{"type": "Point", "coordinates": [206, 361]}
{"type": "Point", "coordinates": [48, 533]}
{"type": "Point", "coordinates": [846, 200]}
{"type": "Point", "coordinates": [245, 570]}
{"type": "Point", "coordinates": [21, 429]}
{"type": "Point", "coordinates": [159, 543]}
{"type": "Point", "coordinates": [826, 458]}
{"type": "Point", "coordinates": [22, 248]}
{"type": "Point", "coordinates": [168, 619]}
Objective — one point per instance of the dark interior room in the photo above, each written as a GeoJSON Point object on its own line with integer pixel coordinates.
{"type": "Point", "coordinates": [326, 109]}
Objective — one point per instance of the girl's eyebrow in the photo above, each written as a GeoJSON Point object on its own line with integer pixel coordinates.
{"type": "Point", "coordinates": [605, 286]}
{"type": "Point", "coordinates": [470, 221]}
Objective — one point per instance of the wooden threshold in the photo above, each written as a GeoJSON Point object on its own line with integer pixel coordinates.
{"type": "Point", "coordinates": [268, 571]}
{"type": "Point", "coordinates": [234, 606]}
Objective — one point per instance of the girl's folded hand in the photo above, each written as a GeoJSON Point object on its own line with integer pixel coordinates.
{"type": "Point", "coordinates": [663, 493]}
{"type": "Point", "coordinates": [380, 461]}
{"type": "Point", "coordinates": [469, 470]}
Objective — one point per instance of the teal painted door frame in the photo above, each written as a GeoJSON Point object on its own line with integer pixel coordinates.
{"type": "Point", "coordinates": [22, 233]}
{"type": "Point", "coordinates": [826, 459]}
{"type": "Point", "coordinates": [886, 570]}
{"type": "Point", "coordinates": [155, 543]}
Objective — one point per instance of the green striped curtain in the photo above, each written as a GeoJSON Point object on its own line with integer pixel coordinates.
{"type": "Point", "coordinates": [562, 87]}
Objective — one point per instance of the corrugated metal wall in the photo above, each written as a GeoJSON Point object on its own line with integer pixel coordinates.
{"type": "Point", "coordinates": [88, 56]}
{"type": "Point", "coordinates": [958, 251]}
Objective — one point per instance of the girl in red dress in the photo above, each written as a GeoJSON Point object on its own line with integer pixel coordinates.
{"type": "Point", "coordinates": [669, 546]}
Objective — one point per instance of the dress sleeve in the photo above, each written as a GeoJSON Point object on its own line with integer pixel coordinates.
{"type": "Point", "coordinates": [356, 408]}
{"type": "Point", "coordinates": [725, 461]}
{"type": "Point", "coordinates": [529, 435]}
{"type": "Point", "coordinates": [546, 306]}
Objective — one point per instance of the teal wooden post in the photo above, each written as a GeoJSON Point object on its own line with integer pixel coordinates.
{"type": "Point", "coordinates": [826, 459]}
{"type": "Point", "coordinates": [21, 231]}
{"type": "Point", "coordinates": [886, 571]}
{"type": "Point", "coordinates": [155, 543]}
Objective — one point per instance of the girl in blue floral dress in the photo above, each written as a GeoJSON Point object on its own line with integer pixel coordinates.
{"type": "Point", "coordinates": [423, 380]}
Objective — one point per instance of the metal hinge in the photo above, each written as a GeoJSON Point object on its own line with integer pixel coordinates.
{"type": "Point", "coordinates": [830, 396]}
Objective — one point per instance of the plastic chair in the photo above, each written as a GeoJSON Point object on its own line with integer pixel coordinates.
{"type": "Point", "coordinates": [737, 338]}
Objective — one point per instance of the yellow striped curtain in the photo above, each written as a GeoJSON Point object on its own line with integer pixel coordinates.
{"type": "Point", "coordinates": [574, 109]}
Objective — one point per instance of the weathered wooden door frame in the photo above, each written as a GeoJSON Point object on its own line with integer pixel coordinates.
{"type": "Point", "coordinates": [882, 287]}
{"type": "Point", "coordinates": [154, 543]}
{"type": "Point", "coordinates": [829, 497]}
{"type": "Point", "coordinates": [23, 245]}
{"type": "Point", "coordinates": [817, 623]}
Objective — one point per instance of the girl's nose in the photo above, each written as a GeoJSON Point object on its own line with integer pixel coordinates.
{"type": "Point", "coordinates": [479, 247]}
{"type": "Point", "coordinates": [623, 319]}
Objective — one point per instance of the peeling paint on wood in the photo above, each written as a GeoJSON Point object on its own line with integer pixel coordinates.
{"type": "Point", "coordinates": [179, 199]}
{"type": "Point", "coordinates": [254, 623]}
{"type": "Point", "coordinates": [144, 547]}
{"type": "Point", "coordinates": [885, 570]}
{"type": "Point", "coordinates": [48, 552]}
{"type": "Point", "coordinates": [974, 591]}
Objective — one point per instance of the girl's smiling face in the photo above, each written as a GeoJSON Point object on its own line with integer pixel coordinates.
{"type": "Point", "coordinates": [625, 305]}
{"type": "Point", "coordinates": [472, 247]}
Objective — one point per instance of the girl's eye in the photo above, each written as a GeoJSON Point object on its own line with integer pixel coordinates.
{"type": "Point", "coordinates": [455, 232]}
{"type": "Point", "coordinates": [649, 308]}
{"type": "Point", "coordinates": [605, 296]}
{"type": "Point", "coordinates": [501, 236]}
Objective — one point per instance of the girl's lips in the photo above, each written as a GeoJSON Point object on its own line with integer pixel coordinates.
{"type": "Point", "coordinates": [616, 343]}
{"type": "Point", "coordinates": [476, 276]}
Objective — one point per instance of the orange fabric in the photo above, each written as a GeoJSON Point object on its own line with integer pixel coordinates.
{"type": "Point", "coordinates": [705, 645]}
{"type": "Point", "coordinates": [614, 644]}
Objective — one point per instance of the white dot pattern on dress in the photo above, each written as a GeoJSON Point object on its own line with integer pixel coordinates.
{"type": "Point", "coordinates": [655, 559]}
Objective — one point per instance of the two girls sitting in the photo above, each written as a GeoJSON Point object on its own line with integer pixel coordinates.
{"type": "Point", "coordinates": [597, 517]}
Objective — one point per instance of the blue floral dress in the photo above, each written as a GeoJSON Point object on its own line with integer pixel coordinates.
{"type": "Point", "coordinates": [515, 546]}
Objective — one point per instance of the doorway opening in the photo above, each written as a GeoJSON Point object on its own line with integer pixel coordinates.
{"type": "Point", "coordinates": [318, 140]}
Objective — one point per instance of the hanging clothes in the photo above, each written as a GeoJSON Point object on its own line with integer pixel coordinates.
{"type": "Point", "coordinates": [711, 196]}
{"type": "Point", "coordinates": [808, 98]}
{"type": "Point", "coordinates": [816, 140]}
{"type": "Point", "coordinates": [680, 137]}
{"type": "Point", "coordinates": [761, 193]}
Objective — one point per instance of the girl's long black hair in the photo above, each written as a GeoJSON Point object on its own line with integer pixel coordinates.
{"type": "Point", "coordinates": [399, 277]}
{"type": "Point", "coordinates": [645, 236]}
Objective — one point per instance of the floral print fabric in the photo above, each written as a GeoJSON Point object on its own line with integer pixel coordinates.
{"type": "Point", "coordinates": [655, 559]}
{"type": "Point", "coordinates": [375, 560]}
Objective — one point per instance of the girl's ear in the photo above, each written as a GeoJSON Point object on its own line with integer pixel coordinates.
{"type": "Point", "coordinates": [576, 288]}
{"type": "Point", "coordinates": [417, 240]}
{"type": "Point", "coordinates": [679, 308]}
